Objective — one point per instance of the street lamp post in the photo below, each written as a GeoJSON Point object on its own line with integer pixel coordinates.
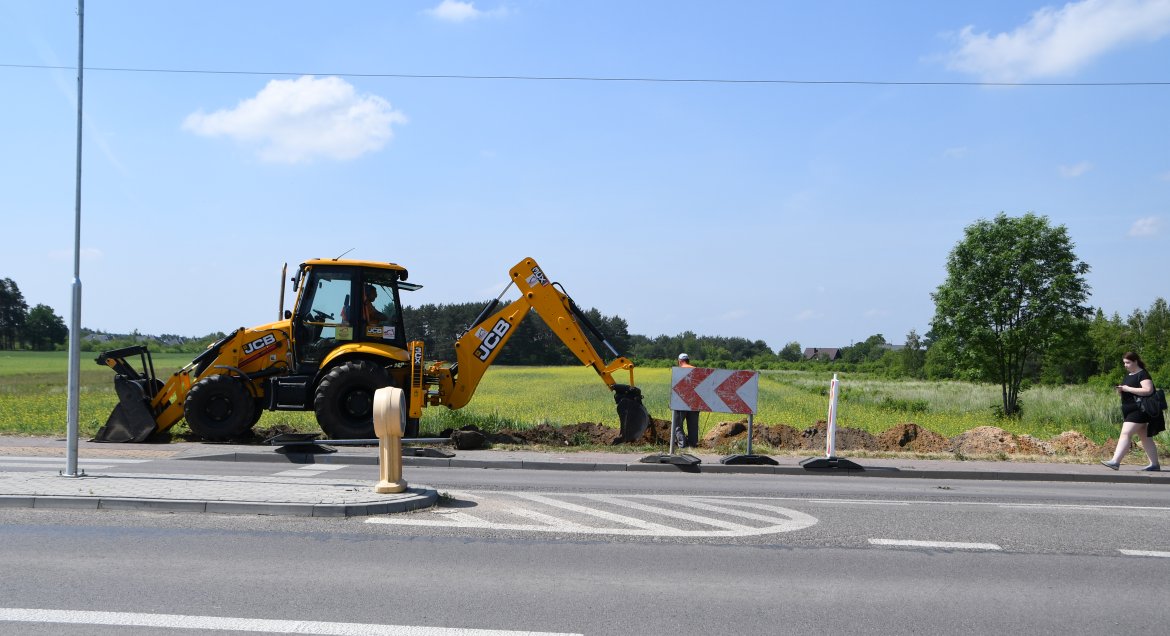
{"type": "Point", "coordinates": [75, 320]}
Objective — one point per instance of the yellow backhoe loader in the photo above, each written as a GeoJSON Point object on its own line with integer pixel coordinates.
{"type": "Point", "coordinates": [343, 340]}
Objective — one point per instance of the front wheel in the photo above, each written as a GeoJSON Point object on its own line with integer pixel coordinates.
{"type": "Point", "coordinates": [219, 408]}
{"type": "Point", "coordinates": [344, 402]}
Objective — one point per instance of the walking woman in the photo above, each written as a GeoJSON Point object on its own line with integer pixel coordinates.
{"type": "Point", "coordinates": [1137, 384]}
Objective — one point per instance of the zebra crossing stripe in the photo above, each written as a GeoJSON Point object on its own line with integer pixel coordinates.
{"type": "Point", "coordinates": [601, 514]}
{"type": "Point", "coordinates": [617, 501]}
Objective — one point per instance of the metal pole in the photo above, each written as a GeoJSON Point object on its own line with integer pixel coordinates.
{"type": "Point", "coordinates": [75, 321]}
{"type": "Point", "coordinates": [750, 419]}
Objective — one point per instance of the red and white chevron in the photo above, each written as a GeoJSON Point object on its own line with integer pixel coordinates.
{"type": "Point", "coordinates": [714, 390]}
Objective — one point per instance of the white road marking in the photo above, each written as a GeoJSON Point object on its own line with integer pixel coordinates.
{"type": "Point", "coordinates": [311, 470]}
{"type": "Point", "coordinates": [549, 520]}
{"type": "Point", "coordinates": [618, 501]}
{"type": "Point", "coordinates": [222, 623]}
{"type": "Point", "coordinates": [608, 516]}
{"type": "Point", "coordinates": [780, 515]}
{"type": "Point", "coordinates": [780, 519]}
{"type": "Point", "coordinates": [1146, 553]}
{"type": "Point", "coordinates": [946, 545]}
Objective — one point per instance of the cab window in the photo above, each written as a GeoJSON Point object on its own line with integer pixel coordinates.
{"type": "Point", "coordinates": [380, 312]}
{"type": "Point", "coordinates": [321, 317]}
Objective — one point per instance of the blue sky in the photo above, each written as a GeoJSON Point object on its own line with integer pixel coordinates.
{"type": "Point", "coordinates": [817, 206]}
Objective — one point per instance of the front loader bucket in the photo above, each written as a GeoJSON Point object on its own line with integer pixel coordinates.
{"type": "Point", "coordinates": [632, 414]}
{"type": "Point", "coordinates": [131, 420]}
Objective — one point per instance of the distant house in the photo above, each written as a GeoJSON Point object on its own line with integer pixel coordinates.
{"type": "Point", "coordinates": [813, 353]}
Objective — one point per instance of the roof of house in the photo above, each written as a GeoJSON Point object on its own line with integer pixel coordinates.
{"type": "Point", "coordinates": [822, 352]}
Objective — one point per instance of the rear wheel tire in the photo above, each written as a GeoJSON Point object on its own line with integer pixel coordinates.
{"type": "Point", "coordinates": [219, 408]}
{"type": "Point", "coordinates": [344, 402]}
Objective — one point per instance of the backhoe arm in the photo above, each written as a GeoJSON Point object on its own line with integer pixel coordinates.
{"type": "Point", "coordinates": [477, 349]}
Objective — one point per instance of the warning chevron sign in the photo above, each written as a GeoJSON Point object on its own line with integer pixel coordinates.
{"type": "Point", "coordinates": [714, 390]}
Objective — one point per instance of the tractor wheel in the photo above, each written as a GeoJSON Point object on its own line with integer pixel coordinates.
{"type": "Point", "coordinates": [219, 408]}
{"type": "Point", "coordinates": [345, 400]}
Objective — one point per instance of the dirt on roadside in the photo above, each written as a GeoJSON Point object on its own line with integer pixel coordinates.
{"type": "Point", "coordinates": [984, 441]}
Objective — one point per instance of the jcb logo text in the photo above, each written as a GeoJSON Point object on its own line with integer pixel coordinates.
{"type": "Point", "coordinates": [259, 343]}
{"type": "Point", "coordinates": [492, 339]}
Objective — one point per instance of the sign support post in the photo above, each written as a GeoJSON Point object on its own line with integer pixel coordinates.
{"type": "Point", "coordinates": [712, 391]}
{"type": "Point", "coordinates": [749, 457]}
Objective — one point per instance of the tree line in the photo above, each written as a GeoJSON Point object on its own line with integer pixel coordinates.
{"type": "Point", "coordinates": [20, 327]}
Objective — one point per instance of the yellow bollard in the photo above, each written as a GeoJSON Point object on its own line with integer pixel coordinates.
{"type": "Point", "coordinates": [389, 418]}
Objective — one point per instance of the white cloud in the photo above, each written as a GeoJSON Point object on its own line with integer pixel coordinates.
{"type": "Point", "coordinates": [1060, 41]}
{"type": "Point", "coordinates": [955, 153]}
{"type": "Point", "coordinates": [294, 121]}
{"type": "Point", "coordinates": [456, 11]}
{"type": "Point", "coordinates": [1148, 226]}
{"type": "Point", "coordinates": [1165, 176]}
{"type": "Point", "coordinates": [1075, 170]}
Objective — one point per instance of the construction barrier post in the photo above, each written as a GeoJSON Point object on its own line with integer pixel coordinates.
{"type": "Point", "coordinates": [830, 461]}
{"type": "Point", "coordinates": [389, 418]}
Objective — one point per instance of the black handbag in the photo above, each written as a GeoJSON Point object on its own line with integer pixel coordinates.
{"type": "Point", "coordinates": [1154, 403]}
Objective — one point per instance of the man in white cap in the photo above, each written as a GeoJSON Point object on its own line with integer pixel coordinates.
{"type": "Point", "coordinates": [691, 437]}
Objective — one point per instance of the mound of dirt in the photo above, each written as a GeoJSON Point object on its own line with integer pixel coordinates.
{"type": "Point", "coordinates": [990, 440]}
{"type": "Point", "coordinates": [907, 437]}
{"type": "Point", "coordinates": [913, 438]}
{"type": "Point", "coordinates": [847, 438]}
{"type": "Point", "coordinates": [1074, 443]}
{"type": "Point", "coordinates": [581, 434]}
{"type": "Point", "coordinates": [778, 436]}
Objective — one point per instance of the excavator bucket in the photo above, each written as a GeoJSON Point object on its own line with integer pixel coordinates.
{"type": "Point", "coordinates": [632, 414]}
{"type": "Point", "coordinates": [131, 420]}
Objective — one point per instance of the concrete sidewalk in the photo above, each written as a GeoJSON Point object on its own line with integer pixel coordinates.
{"type": "Point", "coordinates": [320, 496]}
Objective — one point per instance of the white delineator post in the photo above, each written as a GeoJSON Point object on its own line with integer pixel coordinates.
{"type": "Point", "coordinates": [831, 426]}
{"type": "Point", "coordinates": [830, 461]}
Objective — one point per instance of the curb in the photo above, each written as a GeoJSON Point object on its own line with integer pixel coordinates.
{"type": "Point", "coordinates": [413, 499]}
{"type": "Point", "coordinates": [711, 468]}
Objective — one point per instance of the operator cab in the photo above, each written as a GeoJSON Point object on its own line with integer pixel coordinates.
{"type": "Point", "coordinates": [344, 301]}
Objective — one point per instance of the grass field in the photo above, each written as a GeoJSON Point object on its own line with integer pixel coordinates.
{"type": "Point", "coordinates": [33, 401]}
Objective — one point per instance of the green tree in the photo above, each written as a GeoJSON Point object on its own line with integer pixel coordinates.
{"type": "Point", "coordinates": [44, 329]}
{"type": "Point", "coordinates": [791, 352]}
{"type": "Point", "coordinates": [1012, 285]}
{"type": "Point", "coordinates": [1155, 345]}
{"type": "Point", "coordinates": [13, 313]}
{"type": "Point", "coordinates": [871, 349]}
{"type": "Point", "coordinates": [912, 357]}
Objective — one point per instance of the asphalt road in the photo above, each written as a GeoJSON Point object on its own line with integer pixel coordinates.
{"type": "Point", "coordinates": [612, 553]}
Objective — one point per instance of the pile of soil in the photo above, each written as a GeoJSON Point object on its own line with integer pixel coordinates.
{"type": "Point", "coordinates": [907, 438]}
{"type": "Point", "coordinates": [913, 438]}
{"type": "Point", "coordinates": [847, 438]}
{"type": "Point", "coordinates": [1074, 443]}
{"type": "Point", "coordinates": [989, 440]}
